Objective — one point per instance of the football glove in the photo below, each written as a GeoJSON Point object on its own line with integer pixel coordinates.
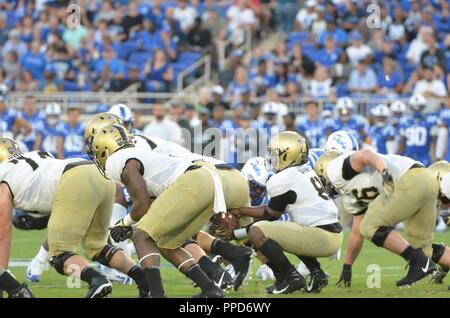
{"type": "Point", "coordinates": [438, 276]}
{"type": "Point", "coordinates": [446, 218]}
{"type": "Point", "coordinates": [26, 221]}
{"type": "Point", "coordinates": [120, 232]}
{"type": "Point", "coordinates": [346, 277]}
{"type": "Point", "coordinates": [388, 182]}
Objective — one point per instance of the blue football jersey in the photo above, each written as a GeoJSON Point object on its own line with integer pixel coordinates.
{"type": "Point", "coordinates": [8, 119]}
{"type": "Point", "coordinates": [380, 135]}
{"type": "Point", "coordinates": [355, 125]}
{"type": "Point", "coordinates": [418, 133]}
{"type": "Point", "coordinates": [73, 139]}
{"type": "Point", "coordinates": [36, 121]}
{"type": "Point", "coordinates": [49, 136]}
{"type": "Point", "coordinates": [314, 155]}
{"type": "Point", "coordinates": [314, 130]}
{"type": "Point", "coordinates": [445, 120]}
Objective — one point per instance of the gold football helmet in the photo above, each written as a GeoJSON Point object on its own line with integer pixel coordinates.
{"type": "Point", "coordinates": [98, 122]}
{"type": "Point", "coordinates": [288, 149]}
{"type": "Point", "coordinates": [321, 167]}
{"type": "Point", "coordinates": [8, 148]}
{"type": "Point", "coordinates": [440, 169]}
{"type": "Point", "coordinates": [107, 141]}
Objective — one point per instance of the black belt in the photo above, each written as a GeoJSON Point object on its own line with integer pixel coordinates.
{"type": "Point", "coordinates": [224, 166]}
{"type": "Point", "coordinates": [416, 166]}
{"type": "Point", "coordinates": [333, 228]}
{"type": "Point", "coordinates": [76, 164]}
{"type": "Point", "coordinates": [193, 167]}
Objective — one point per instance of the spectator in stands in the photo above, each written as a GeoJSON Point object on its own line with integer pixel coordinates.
{"type": "Point", "coordinates": [73, 37]}
{"type": "Point", "coordinates": [116, 29]}
{"type": "Point", "coordinates": [62, 64]}
{"type": "Point", "coordinates": [49, 134]}
{"type": "Point", "coordinates": [319, 24]}
{"type": "Point", "coordinates": [11, 66]}
{"type": "Point", "coordinates": [433, 55]}
{"type": "Point", "coordinates": [34, 117]}
{"type": "Point", "coordinates": [363, 79]}
{"type": "Point", "coordinates": [289, 122]}
{"type": "Point", "coordinates": [106, 12]}
{"type": "Point", "coordinates": [26, 82]}
{"type": "Point", "coordinates": [218, 119]}
{"type": "Point", "coordinates": [340, 36]}
{"type": "Point", "coordinates": [419, 45]}
{"type": "Point", "coordinates": [260, 80]}
{"type": "Point", "coordinates": [27, 30]}
{"type": "Point", "coordinates": [312, 125]}
{"type": "Point", "coordinates": [185, 14]}
{"type": "Point", "coordinates": [330, 54]}
{"type": "Point", "coordinates": [340, 72]}
{"type": "Point", "coordinates": [429, 85]}
{"type": "Point", "coordinates": [34, 61]}
{"type": "Point", "coordinates": [240, 16]}
{"type": "Point", "coordinates": [413, 19]}
{"type": "Point", "coordinates": [49, 83]}
{"type": "Point", "coordinates": [286, 11]}
{"type": "Point", "coordinates": [307, 15]}
{"type": "Point", "coordinates": [321, 85]}
{"type": "Point", "coordinates": [114, 64]}
{"type": "Point", "coordinates": [3, 28]}
{"type": "Point", "coordinates": [390, 79]}
{"type": "Point", "coordinates": [72, 133]}
{"type": "Point", "coordinates": [396, 29]}
{"type": "Point", "coordinates": [217, 98]}
{"type": "Point", "coordinates": [281, 53]}
{"type": "Point", "coordinates": [158, 72]}
{"type": "Point", "coordinates": [134, 78]}
{"type": "Point", "coordinates": [226, 76]}
{"type": "Point", "coordinates": [14, 44]}
{"type": "Point", "coordinates": [132, 22]}
{"type": "Point", "coordinates": [162, 127]}
{"type": "Point", "coordinates": [301, 62]}
{"type": "Point", "coordinates": [213, 22]}
{"type": "Point", "coordinates": [358, 50]}
{"type": "Point", "coordinates": [199, 38]}
{"type": "Point", "coordinates": [351, 17]}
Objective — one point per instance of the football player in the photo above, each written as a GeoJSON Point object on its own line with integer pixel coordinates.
{"type": "Point", "coordinates": [418, 134]}
{"type": "Point", "coordinates": [382, 191]}
{"type": "Point", "coordinates": [124, 112]}
{"type": "Point", "coordinates": [79, 200]}
{"type": "Point", "coordinates": [72, 133]}
{"type": "Point", "coordinates": [348, 121]}
{"type": "Point", "coordinates": [187, 195]}
{"type": "Point", "coordinates": [442, 144]}
{"type": "Point", "coordinates": [312, 126]}
{"type": "Point", "coordinates": [49, 137]}
{"type": "Point", "coordinates": [314, 230]}
{"type": "Point", "coordinates": [239, 256]}
{"type": "Point", "coordinates": [381, 133]}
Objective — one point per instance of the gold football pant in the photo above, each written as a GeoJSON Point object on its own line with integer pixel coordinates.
{"type": "Point", "coordinates": [81, 212]}
{"type": "Point", "coordinates": [301, 240]}
{"type": "Point", "coordinates": [185, 207]}
{"type": "Point", "coordinates": [413, 202]}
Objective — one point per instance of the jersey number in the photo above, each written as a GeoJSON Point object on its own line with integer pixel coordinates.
{"type": "Point", "coordinates": [31, 162]}
{"type": "Point", "coordinates": [366, 194]}
{"type": "Point", "coordinates": [317, 184]}
{"type": "Point", "coordinates": [416, 136]}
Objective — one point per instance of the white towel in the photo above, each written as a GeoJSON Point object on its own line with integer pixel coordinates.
{"type": "Point", "coordinates": [219, 197]}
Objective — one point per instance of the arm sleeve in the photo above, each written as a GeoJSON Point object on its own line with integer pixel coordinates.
{"type": "Point", "coordinates": [280, 202]}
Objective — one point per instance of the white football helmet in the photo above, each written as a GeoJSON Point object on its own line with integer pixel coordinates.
{"type": "Point", "coordinates": [381, 110]}
{"type": "Point", "coordinates": [398, 107]}
{"type": "Point", "coordinates": [341, 141]}
{"type": "Point", "coordinates": [123, 112]}
{"type": "Point", "coordinates": [53, 109]}
{"type": "Point", "coordinates": [271, 111]}
{"type": "Point", "coordinates": [417, 102]}
{"type": "Point", "coordinates": [257, 172]}
{"type": "Point", "coordinates": [445, 189]}
{"type": "Point", "coordinates": [345, 103]}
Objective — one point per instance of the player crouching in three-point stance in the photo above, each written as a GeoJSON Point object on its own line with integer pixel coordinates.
{"type": "Point", "coordinates": [314, 230]}
{"type": "Point", "coordinates": [382, 191]}
{"type": "Point", "coordinates": [80, 202]}
{"type": "Point", "coordinates": [186, 194]}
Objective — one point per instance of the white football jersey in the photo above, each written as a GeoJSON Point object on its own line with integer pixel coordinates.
{"type": "Point", "coordinates": [160, 171]}
{"type": "Point", "coordinates": [170, 148]}
{"type": "Point", "coordinates": [33, 179]}
{"type": "Point", "coordinates": [363, 188]}
{"type": "Point", "coordinates": [313, 206]}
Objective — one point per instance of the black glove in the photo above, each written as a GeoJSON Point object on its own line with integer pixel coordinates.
{"type": "Point", "coordinates": [27, 221]}
{"type": "Point", "coordinates": [346, 277]}
{"type": "Point", "coordinates": [388, 182]}
{"type": "Point", "coordinates": [120, 232]}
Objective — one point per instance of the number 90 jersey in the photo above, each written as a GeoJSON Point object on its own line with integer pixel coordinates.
{"type": "Point", "coordinates": [33, 179]}
{"type": "Point", "coordinates": [362, 188]}
{"type": "Point", "coordinates": [299, 192]}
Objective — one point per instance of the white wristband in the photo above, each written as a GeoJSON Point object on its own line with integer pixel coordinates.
{"type": "Point", "coordinates": [240, 233]}
{"type": "Point", "coordinates": [127, 220]}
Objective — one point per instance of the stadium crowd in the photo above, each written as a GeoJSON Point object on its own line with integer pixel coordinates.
{"type": "Point", "coordinates": [326, 50]}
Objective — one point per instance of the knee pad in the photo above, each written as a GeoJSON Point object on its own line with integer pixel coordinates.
{"type": "Point", "coordinates": [57, 262]}
{"type": "Point", "coordinates": [380, 235]}
{"type": "Point", "coordinates": [106, 254]}
{"type": "Point", "coordinates": [188, 242]}
{"type": "Point", "coordinates": [438, 251]}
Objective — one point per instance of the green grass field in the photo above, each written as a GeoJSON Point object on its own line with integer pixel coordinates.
{"type": "Point", "coordinates": [26, 244]}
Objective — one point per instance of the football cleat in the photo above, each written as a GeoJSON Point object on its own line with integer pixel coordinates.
{"type": "Point", "coordinates": [114, 275]}
{"type": "Point", "coordinates": [292, 282]}
{"type": "Point", "coordinates": [318, 279]}
{"type": "Point", "coordinates": [99, 288]}
{"type": "Point", "coordinates": [222, 279]}
{"type": "Point", "coordinates": [419, 267]}
{"type": "Point", "coordinates": [22, 292]}
{"type": "Point", "coordinates": [35, 269]}
{"type": "Point", "coordinates": [438, 276]}
{"type": "Point", "coordinates": [241, 265]}
{"type": "Point", "coordinates": [214, 292]}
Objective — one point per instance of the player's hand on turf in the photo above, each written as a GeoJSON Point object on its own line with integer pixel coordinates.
{"type": "Point", "coordinates": [388, 182]}
{"type": "Point", "coordinates": [120, 232]}
{"type": "Point", "coordinates": [224, 233]}
{"type": "Point", "coordinates": [24, 222]}
{"type": "Point", "coordinates": [346, 277]}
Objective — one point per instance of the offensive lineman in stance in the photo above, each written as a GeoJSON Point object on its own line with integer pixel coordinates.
{"type": "Point", "coordinates": [187, 196]}
{"type": "Point", "coordinates": [80, 202]}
